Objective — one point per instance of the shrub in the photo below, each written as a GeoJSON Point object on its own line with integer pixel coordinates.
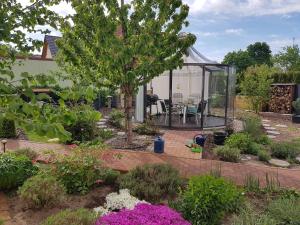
{"type": "Point", "coordinates": [152, 182]}
{"type": "Point", "coordinates": [27, 152]}
{"type": "Point", "coordinates": [104, 134]}
{"type": "Point", "coordinates": [253, 126]}
{"type": "Point", "coordinates": [241, 141]}
{"type": "Point", "coordinates": [72, 217]}
{"type": "Point", "coordinates": [263, 140]}
{"type": "Point", "coordinates": [263, 156]}
{"type": "Point", "coordinates": [144, 214]}
{"type": "Point", "coordinates": [82, 124]}
{"type": "Point", "coordinates": [14, 170]}
{"type": "Point", "coordinates": [285, 211]}
{"type": "Point", "coordinates": [77, 173]}
{"type": "Point", "coordinates": [253, 149]}
{"type": "Point", "coordinates": [252, 183]}
{"type": "Point", "coordinates": [109, 176]}
{"type": "Point", "coordinates": [207, 199]}
{"type": "Point", "coordinates": [7, 128]}
{"type": "Point", "coordinates": [41, 190]}
{"type": "Point", "coordinates": [147, 128]}
{"type": "Point", "coordinates": [116, 118]}
{"type": "Point", "coordinates": [248, 216]}
{"type": "Point", "coordinates": [228, 154]}
{"type": "Point", "coordinates": [285, 150]}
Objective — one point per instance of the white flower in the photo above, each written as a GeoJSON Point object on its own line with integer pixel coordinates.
{"type": "Point", "coordinates": [101, 210]}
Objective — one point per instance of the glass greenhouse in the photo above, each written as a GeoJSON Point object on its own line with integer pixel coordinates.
{"type": "Point", "coordinates": [199, 95]}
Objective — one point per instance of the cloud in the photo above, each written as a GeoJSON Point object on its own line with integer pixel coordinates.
{"type": "Point", "coordinates": [243, 7]}
{"type": "Point", "coordinates": [234, 31]}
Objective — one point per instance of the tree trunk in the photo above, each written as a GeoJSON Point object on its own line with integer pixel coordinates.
{"type": "Point", "coordinates": [128, 117]}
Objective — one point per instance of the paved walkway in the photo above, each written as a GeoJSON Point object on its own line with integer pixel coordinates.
{"type": "Point", "coordinates": [178, 155]}
{"type": "Point", "coordinates": [4, 209]}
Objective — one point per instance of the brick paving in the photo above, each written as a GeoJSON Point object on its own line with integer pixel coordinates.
{"type": "Point", "coordinates": [178, 155]}
{"type": "Point", "coordinates": [4, 209]}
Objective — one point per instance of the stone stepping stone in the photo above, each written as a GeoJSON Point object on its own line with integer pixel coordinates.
{"type": "Point", "coordinates": [271, 136]}
{"type": "Point", "coordinates": [265, 121]}
{"type": "Point", "coordinates": [280, 163]}
{"type": "Point", "coordinates": [109, 129]}
{"type": "Point", "coordinates": [281, 125]}
{"type": "Point", "coordinates": [298, 158]}
{"type": "Point", "coordinates": [270, 128]}
{"type": "Point", "coordinates": [273, 132]}
{"type": "Point", "coordinates": [121, 133]}
{"type": "Point", "coordinates": [106, 117]}
{"type": "Point", "coordinates": [266, 125]}
{"type": "Point", "coordinates": [102, 126]}
{"type": "Point", "coordinates": [103, 120]}
{"type": "Point", "coordinates": [100, 123]}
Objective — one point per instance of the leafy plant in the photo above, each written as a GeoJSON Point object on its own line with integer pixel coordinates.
{"type": "Point", "coordinates": [241, 141]}
{"type": "Point", "coordinates": [256, 85]}
{"type": "Point", "coordinates": [147, 128]}
{"type": "Point", "coordinates": [82, 124]}
{"type": "Point", "coordinates": [78, 173]}
{"type": "Point", "coordinates": [285, 150]}
{"type": "Point", "coordinates": [253, 149]}
{"type": "Point", "coordinates": [207, 199]}
{"type": "Point", "coordinates": [14, 170]}
{"type": "Point", "coordinates": [42, 190]}
{"type": "Point", "coordinates": [75, 217]}
{"type": "Point", "coordinates": [285, 211]}
{"type": "Point", "coordinates": [109, 176]}
{"type": "Point", "coordinates": [152, 182]}
{"type": "Point", "coordinates": [253, 126]}
{"type": "Point", "coordinates": [263, 156]}
{"type": "Point", "coordinates": [7, 128]}
{"type": "Point", "coordinates": [228, 154]}
{"type": "Point", "coordinates": [104, 134]}
{"type": "Point", "coordinates": [116, 118]}
{"type": "Point", "coordinates": [248, 216]}
{"type": "Point", "coordinates": [27, 152]}
{"type": "Point", "coordinates": [252, 183]}
{"type": "Point", "coordinates": [144, 214]}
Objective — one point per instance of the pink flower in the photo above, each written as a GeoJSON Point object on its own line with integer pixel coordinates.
{"type": "Point", "coordinates": [145, 214]}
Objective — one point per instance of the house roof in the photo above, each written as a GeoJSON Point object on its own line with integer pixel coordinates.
{"type": "Point", "coordinates": [49, 40]}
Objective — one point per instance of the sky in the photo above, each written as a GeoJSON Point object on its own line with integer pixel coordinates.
{"type": "Point", "coordinates": [222, 26]}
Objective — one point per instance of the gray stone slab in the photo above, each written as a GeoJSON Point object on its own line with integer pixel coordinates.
{"type": "Point", "coordinates": [270, 128]}
{"type": "Point", "coordinates": [281, 125]}
{"type": "Point", "coordinates": [280, 163]}
{"type": "Point", "coordinates": [273, 132]}
{"type": "Point", "coordinates": [266, 125]}
{"type": "Point", "coordinates": [265, 121]}
{"type": "Point", "coordinates": [271, 136]}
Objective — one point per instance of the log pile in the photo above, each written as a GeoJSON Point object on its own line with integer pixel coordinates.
{"type": "Point", "coordinates": [282, 96]}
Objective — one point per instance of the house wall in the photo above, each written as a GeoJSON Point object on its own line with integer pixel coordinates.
{"type": "Point", "coordinates": [37, 66]}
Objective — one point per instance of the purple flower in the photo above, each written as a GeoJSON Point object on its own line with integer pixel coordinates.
{"type": "Point", "coordinates": [143, 214]}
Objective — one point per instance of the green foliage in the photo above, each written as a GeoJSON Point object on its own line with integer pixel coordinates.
{"type": "Point", "coordinates": [263, 140]}
{"type": "Point", "coordinates": [207, 199]}
{"type": "Point", "coordinates": [254, 149]}
{"type": "Point", "coordinates": [1, 222]}
{"type": "Point", "coordinates": [289, 59]}
{"type": "Point", "coordinates": [253, 126]}
{"type": "Point", "coordinates": [252, 183]}
{"type": "Point", "coordinates": [228, 154]}
{"type": "Point", "coordinates": [296, 105]}
{"type": "Point", "coordinates": [109, 176]}
{"type": "Point", "coordinates": [260, 53]}
{"type": "Point", "coordinates": [256, 85]}
{"type": "Point", "coordinates": [116, 118]}
{"type": "Point", "coordinates": [134, 42]}
{"type": "Point", "coordinates": [248, 216]}
{"type": "Point", "coordinates": [42, 190]}
{"type": "Point", "coordinates": [285, 150]}
{"type": "Point", "coordinates": [14, 170]}
{"type": "Point", "coordinates": [7, 128]}
{"type": "Point", "coordinates": [287, 77]}
{"type": "Point", "coordinates": [152, 182]}
{"type": "Point", "coordinates": [27, 152]}
{"type": "Point", "coordinates": [104, 134]}
{"type": "Point", "coordinates": [264, 156]}
{"type": "Point", "coordinates": [75, 217]}
{"type": "Point", "coordinates": [147, 128]}
{"type": "Point", "coordinates": [240, 141]}
{"type": "Point", "coordinates": [285, 211]}
{"type": "Point", "coordinates": [82, 126]}
{"type": "Point", "coordinates": [77, 172]}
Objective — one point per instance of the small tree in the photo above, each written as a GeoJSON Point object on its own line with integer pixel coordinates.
{"type": "Point", "coordinates": [125, 45]}
{"type": "Point", "coordinates": [288, 59]}
{"type": "Point", "coordinates": [256, 85]}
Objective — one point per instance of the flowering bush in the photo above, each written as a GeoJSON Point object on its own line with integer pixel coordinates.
{"type": "Point", "coordinates": [116, 201]}
{"type": "Point", "coordinates": [144, 214]}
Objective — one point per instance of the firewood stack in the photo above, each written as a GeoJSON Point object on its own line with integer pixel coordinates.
{"type": "Point", "coordinates": [282, 96]}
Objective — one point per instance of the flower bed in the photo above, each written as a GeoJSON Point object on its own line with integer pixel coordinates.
{"type": "Point", "coordinates": [144, 214]}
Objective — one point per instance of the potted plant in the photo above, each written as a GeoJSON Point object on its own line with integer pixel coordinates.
{"type": "Point", "coordinates": [296, 116]}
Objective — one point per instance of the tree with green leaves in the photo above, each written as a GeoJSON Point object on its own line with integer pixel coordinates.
{"type": "Point", "coordinates": [125, 45]}
{"type": "Point", "coordinates": [260, 53]}
{"type": "Point", "coordinates": [18, 102]}
{"type": "Point", "coordinates": [256, 85]}
{"type": "Point", "coordinates": [288, 59]}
